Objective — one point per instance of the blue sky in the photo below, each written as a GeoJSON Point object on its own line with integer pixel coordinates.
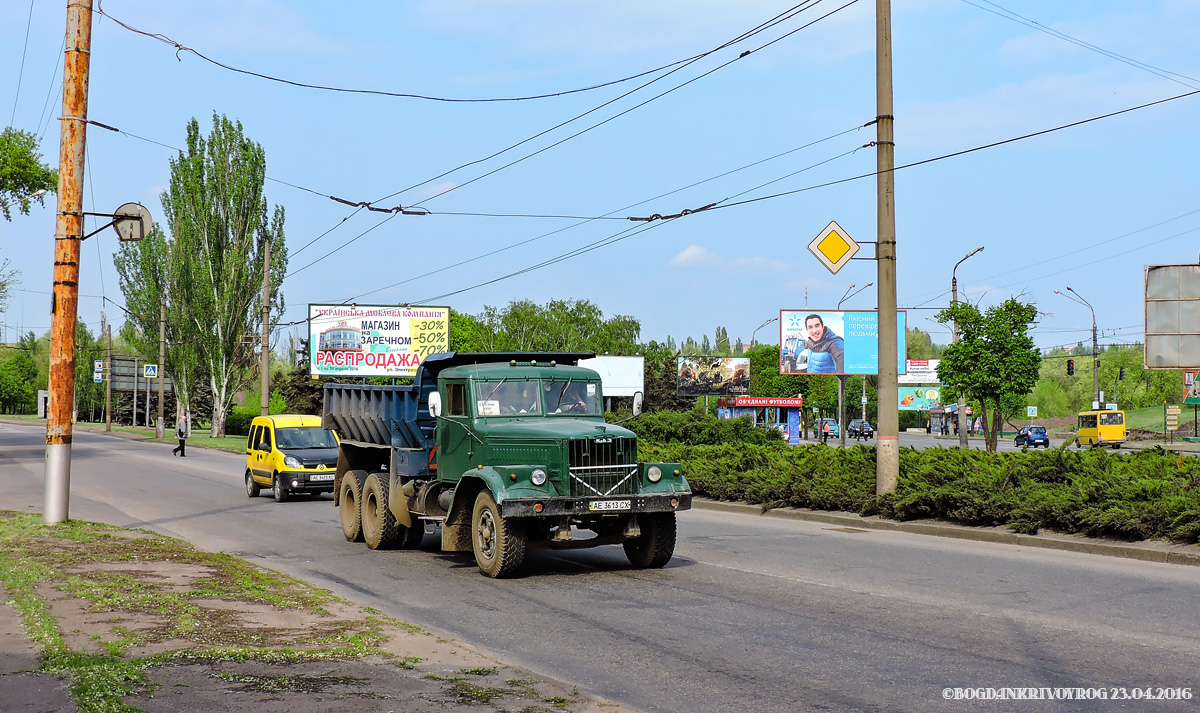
{"type": "Point", "coordinates": [1086, 207]}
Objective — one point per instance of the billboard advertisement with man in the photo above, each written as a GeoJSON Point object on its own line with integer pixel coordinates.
{"type": "Point", "coordinates": [834, 342]}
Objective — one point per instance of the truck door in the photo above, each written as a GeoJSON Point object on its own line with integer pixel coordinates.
{"type": "Point", "coordinates": [453, 435]}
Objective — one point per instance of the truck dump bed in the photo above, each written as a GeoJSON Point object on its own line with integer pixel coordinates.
{"type": "Point", "coordinates": [396, 416]}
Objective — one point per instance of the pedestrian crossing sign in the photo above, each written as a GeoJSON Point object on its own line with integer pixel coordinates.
{"type": "Point", "coordinates": [150, 371]}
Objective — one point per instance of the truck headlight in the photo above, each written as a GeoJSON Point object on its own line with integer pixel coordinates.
{"type": "Point", "coordinates": [654, 474]}
{"type": "Point", "coordinates": [291, 461]}
{"type": "Point", "coordinates": [538, 476]}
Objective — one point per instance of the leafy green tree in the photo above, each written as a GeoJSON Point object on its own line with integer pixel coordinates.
{"type": "Point", "coordinates": [994, 362]}
{"type": "Point", "coordinates": [149, 277]}
{"type": "Point", "coordinates": [661, 380]}
{"type": "Point", "coordinates": [722, 342]}
{"type": "Point", "coordinates": [217, 213]}
{"type": "Point", "coordinates": [17, 375]}
{"type": "Point", "coordinates": [22, 172]}
{"type": "Point", "coordinates": [561, 325]}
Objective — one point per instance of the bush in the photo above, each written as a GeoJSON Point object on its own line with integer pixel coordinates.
{"type": "Point", "coordinates": [1150, 494]}
{"type": "Point", "coordinates": [700, 429]}
{"type": "Point", "coordinates": [237, 423]}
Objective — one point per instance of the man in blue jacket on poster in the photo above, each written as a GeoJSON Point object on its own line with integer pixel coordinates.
{"type": "Point", "coordinates": [826, 350]}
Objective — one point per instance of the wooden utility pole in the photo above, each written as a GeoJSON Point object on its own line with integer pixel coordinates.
{"type": "Point", "coordinates": [162, 372]}
{"type": "Point", "coordinates": [887, 459]}
{"type": "Point", "coordinates": [68, 234]}
{"type": "Point", "coordinates": [266, 330]}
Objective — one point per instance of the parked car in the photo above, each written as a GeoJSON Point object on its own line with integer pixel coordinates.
{"type": "Point", "coordinates": [859, 428]}
{"type": "Point", "coordinates": [1033, 436]}
{"type": "Point", "coordinates": [290, 454]}
{"type": "Point", "coordinates": [830, 427]}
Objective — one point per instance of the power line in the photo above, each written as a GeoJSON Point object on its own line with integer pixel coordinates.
{"type": "Point", "coordinates": [747, 53]}
{"type": "Point", "coordinates": [21, 72]}
{"type": "Point", "coordinates": [180, 48]}
{"type": "Point", "coordinates": [55, 79]}
{"type": "Point", "coordinates": [1015, 17]}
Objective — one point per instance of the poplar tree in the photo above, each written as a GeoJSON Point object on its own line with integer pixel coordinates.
{"type": "Point", "coordinates": [216, 211]}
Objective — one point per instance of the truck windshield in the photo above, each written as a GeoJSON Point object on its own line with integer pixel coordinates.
{"type": "Point", "coordinates": [300, 437]}
{"type": "Point", "coordinates": [507, 398]}
{"type": "Point", "coordinates": [571, 397]}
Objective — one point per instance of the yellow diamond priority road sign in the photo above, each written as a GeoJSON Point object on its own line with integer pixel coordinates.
{"type": "Point", "coordinates": [833, 247]}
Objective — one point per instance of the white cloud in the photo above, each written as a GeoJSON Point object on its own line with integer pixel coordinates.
{"type": "Point", "coordinates": [698, 256]}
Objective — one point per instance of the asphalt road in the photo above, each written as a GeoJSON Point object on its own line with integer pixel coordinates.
{"type": "Point", "coordinates": [753, 613]}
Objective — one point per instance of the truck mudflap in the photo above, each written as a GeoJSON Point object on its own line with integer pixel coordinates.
{"type": "Point", "coordinates": [557, 507]}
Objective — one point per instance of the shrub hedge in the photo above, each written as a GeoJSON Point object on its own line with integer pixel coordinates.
{"type": "Point", "coordinates": [1149, 494]}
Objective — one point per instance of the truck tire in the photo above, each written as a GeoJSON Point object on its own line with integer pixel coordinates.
{"type": "Point", "coordinates": [252, 488]}
{"type": "Point", "coordinates": [499, 544]}
{"type": "Point", "coordinates": [350, 504]}
{"type": "Point", "coordinates": [281, 493]}
{"type": "Point", "coordinates": [657, 543]}
{"type": "Point", "coordinates": [379, 528]}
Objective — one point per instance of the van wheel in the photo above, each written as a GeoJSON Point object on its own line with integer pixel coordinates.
{"type": "Point", "coordinates": [656, 544]}
{"type": "Point", "coordinates": [499, 544]}
{"type": "Point", "coordinates": [1076, 444]}
{"type": "Point", "coordinates": [379, 527]}
{"type": "Point", "coordinates": [349, 504]}
{"type": "Point", "coordinates": [281, 493]}
{"type": "Point", "coordinates": [252, 488]}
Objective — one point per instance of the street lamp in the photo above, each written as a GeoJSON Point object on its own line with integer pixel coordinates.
{"type": "Point", "coordinates": [1095, 343]}
{"type": "Point", "coordinates": [842, 377]}
{"type": "Point", "coordinates": [962, 402]}
{"type": "Point", "coordinates": [773, 319]}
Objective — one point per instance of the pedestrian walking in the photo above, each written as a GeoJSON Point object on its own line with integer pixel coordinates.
{"type": "Point", "coordinates": [181, 432]}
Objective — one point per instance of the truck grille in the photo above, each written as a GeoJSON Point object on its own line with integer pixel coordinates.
{"type": "Point", "coordinates": [603, 466]}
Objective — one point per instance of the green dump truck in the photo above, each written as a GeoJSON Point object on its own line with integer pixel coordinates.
{"type": "Point", "coordinates": [502, 452]}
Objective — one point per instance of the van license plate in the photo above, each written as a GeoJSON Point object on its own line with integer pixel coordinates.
{"type": "Point", "coordinates": [609, 505]}
{"type": "Point", "coordinates": [321, 476]}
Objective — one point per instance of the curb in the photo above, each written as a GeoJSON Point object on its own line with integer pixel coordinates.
{"type": "Point", "coordinates": [1148, 551]}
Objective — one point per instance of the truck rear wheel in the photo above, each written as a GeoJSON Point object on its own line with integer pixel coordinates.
{"type": "Point", "coordinates": [656, 544]}
{"type": "Point", "coordinates": [379, 527]}
{"type": "Point", "coordinates": [499, 544]}
{"type": "Point", "coordinates": [350, 504]}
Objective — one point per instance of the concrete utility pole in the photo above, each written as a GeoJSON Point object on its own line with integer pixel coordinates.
{"type": "Point", "coordinates": [887, 458]}
{"type": "Point", "coordinates": [68, 234]}
{"type": "Point", "coordinates": [159, 428]}
{"type": "Point", "coordinates": [962, 402]}
{"type": "Point", "coordinates": [108, 381]}
{"type": "Point", "coordinates": [266, 331]}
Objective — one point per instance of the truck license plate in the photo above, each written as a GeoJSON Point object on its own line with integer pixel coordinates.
{"type": "Point", "coordinates": [609, 505]}
{"type": "Point", "coordinates": [321, 476]}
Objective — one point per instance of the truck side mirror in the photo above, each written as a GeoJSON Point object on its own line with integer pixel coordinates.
{"type": "Point", "coordinates": [435, 404]}
{"type": "Point", "coordinates": [637, 403]}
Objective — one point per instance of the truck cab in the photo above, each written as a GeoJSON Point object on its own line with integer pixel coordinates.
{"type": "Point", "coordinates": [504, 452]}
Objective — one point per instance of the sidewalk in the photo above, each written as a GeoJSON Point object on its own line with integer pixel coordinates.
{"type": "Point", "coordinates": [1149, 551]}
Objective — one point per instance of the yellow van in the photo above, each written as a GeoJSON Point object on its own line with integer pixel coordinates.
{"type": "Point", "coordinates": [290, 454]}
{"type": "Point", "coordinates": [1101, 428]}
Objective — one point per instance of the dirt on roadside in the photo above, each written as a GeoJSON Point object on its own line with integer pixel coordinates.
{"type": "Point", "coordinates": [96, 618]}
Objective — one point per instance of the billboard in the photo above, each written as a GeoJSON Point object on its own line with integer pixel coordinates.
{"type": "Point", "coordinates": [919, 398]}
{"type": "Point", "coordinates": [1191, 387]}
{"type": "Point", "coordinates": [619, 375]}
{"type": "Point", "coordinates": [712, 376]}
{"type": "Point", "coordinates": [374, 340]}
{"type": "Point", "coordinates": [920, 371]}
{"type": "Point", "coordinates": [1172, 317]}
{"type": "Point", "coordinates": [834, 342]}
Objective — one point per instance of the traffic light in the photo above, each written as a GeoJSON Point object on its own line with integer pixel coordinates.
{"type": "Point", "coordinates": [1121, 374]}
{"type": "Point", "coordinates": [1070, 367]}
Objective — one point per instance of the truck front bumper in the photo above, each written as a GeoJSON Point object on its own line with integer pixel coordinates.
{"type": "Point", "coordinates": [557, 507]}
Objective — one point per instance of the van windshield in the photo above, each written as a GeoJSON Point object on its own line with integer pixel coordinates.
{"type": "Point", "coordinates": [301, 437]}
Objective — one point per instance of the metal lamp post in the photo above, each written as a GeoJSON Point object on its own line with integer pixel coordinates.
{"type": "Point", "coordinates": [773, 319]}
{"type": "Point", "coordinates": [1095, 343]}
{"type": "Point", "coordinates": [962, 402]}
{"type": "Point", "coordinates": [842, 377]}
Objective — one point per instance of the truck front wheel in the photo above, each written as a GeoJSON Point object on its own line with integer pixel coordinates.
{"type": "Point", "coordinates": [499, 544]}
{"type": "Point", "coordinates": [656, 544]}
{"type": "Point", "coordinates": [350, 504]}
{"type": "Point", "coordinates": [379, 527]}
